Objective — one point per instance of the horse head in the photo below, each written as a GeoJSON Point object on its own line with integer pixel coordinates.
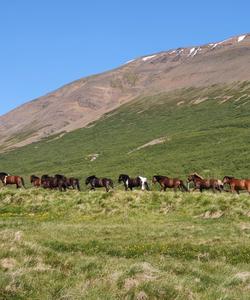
{"type": "Point", "coordinates": [33, 178]}
{"type": "Point", "coordinates": [227, 179]}
{"type": "Point", "coordinates": [123, 178]}
{"type": "Point", "coordinates": [157, 178]}
{"type": "Point", "coordinates": [194, 176]}
{"type": "Point", "coordinates": [89, 179]}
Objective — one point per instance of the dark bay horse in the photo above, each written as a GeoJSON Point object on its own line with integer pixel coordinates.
{"type": "Point", "coordinates": [73, 182]}
{"type": "Point", "coordinates": [35, 181]}
{"type": "Point", "coordinates": [17, 180]}
{"type": "Point", "coordinates": [99, 182]}
{"type": "Point", "coordinates": [237, 184]}
{"type": "Point", "coordinates": [50, 182]}
{"type": "Point", "coordinates": [204, 184]}
{"type": "Point", "coordinates": [68, 182]}
{"type": "Point", "coordinates": [130, 183]}
{"type": "Point", "coordinates": [166, 182]}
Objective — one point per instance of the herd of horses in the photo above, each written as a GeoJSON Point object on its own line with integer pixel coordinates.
{"type": "Point", "coordinates": [63, 183]}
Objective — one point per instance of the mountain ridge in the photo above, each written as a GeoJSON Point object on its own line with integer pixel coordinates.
{"type": "Point", "coordinates": [83, 101]}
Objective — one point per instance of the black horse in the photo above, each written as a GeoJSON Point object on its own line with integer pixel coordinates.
{"type": "Point", "coordinates": [130, 183]}
{"type": "Point", "coordinates": [2, 176]}
{"type": "Point", "coordinates": [99, 182]}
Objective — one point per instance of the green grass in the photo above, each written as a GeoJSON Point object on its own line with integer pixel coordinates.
{"type": "Point", "coordinates": [134, 245]}
{"type": "Point", "coordinates": [118, 245]}
{"type": "Point", "coordinates": [210, 137]}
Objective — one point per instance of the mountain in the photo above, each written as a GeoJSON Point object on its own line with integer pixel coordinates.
{"type": "Point", "coordinates": [81, 102]}
{"type": "Point", "coordinates": [202, 129]}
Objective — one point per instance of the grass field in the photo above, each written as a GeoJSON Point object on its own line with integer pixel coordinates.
{"type": "Point", "coordinates": [118, 245]}
{"type": "Point", "coordinates": [134, 245]}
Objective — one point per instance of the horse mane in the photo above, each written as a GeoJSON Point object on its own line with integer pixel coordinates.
{"type": "Point", "coordinates": [124, 175]}
{"type": "Point", "coordinates": [158, 177]}
{"type": "Point", "coordinates": [91, 177]}
{"type": "Point", "coordinates": [229, 177]}
{"type": "Point", "coordinates": [197, 175]}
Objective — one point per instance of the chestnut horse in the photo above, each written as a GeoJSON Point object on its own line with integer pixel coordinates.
{"type": "Point", "coordinates": [35, 181]}
{"type": "Point", "coordinates": [17, 180]}
{"type": "Point", "coordinates": [204, 184]}
{"type": "Point", "coordinates": [166, 182]}
{"type": "Point", "coordinates": [237, 184]}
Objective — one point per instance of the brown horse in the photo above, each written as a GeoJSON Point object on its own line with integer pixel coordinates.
{"type": "Point", "coordinates": [237, 184]}
{"type": "Point", "coordinates": [99, 182]}
{"type": "Point", "coordinates": [73, 182]}
{"type": "Point", "coordinates": [166, 182]}
{"type": "Point", "coordinates": [204, 184]}
{"type": "Point", "coordinates": [35, 181]}
{"type": "Point", "coordinates": [17, 180]}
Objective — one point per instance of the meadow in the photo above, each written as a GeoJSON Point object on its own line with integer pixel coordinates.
{"type": "Point", "coordinates": [123, 245]}
{"type": "Point", "coordinates": [133, 245]}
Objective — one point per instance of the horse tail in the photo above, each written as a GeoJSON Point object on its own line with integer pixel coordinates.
{"type": "Point", "coordinates": [78, 185]}
{"type": "Point", "coordinates": [147, 186]}
{"type": "Point", "coordinates": [111, 183]}
{"type": "Point", "coordinates": [23, 182]}
{"type": "Point", "coordinates": [183, 186]}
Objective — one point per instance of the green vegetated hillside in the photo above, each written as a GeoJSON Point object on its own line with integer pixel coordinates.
{"type": "Point", "coordinates": [196, 129]}
{"type": "Point", "coordinates": [124, 245]}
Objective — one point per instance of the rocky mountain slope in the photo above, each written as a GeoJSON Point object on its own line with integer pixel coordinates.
{"type": "Point", "coordinates": [77, 104]}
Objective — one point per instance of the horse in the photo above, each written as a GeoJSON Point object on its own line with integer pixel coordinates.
{"type": "Point", "coordinates": [44, 178]}
{"type": "Point", "coordinates": [2, 176]}
{"type": "Point", "coordinates": [73, 182]}
{"type": "Point", "coordinates": [59, 181]}
{"type": "Point", "coordinates": [17, 180]}
{"type": "Point", "coordinates": [35, 181]}
{"type": "Point", "coordinates": [130, 183]}
{"type": "Point", "coordinates": [99, 182]}
{"type": "Point", "coordinates": [237, 184]}
{"type": "Point", "coordinates": [204, 184]}
{"type": "Point", "coordinates": [166, 182]}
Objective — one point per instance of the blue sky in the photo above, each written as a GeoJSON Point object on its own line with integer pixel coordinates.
{"type": "Point", "coordinates": [47, 43]}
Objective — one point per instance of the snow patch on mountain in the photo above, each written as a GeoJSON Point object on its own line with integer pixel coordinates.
{"type": "Point", "coordinates": [148, 57]}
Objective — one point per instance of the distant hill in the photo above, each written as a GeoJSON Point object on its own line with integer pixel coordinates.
{"type": "Point", "coordinates": [192, 129]}
{"type": "Point", "coordinates": [86, 100]}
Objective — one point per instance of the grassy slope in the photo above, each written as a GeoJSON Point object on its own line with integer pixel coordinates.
{"type": "Point", "coordinates": [210, 137]}
{"type": "Point", "coordinates": [123, 245]}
